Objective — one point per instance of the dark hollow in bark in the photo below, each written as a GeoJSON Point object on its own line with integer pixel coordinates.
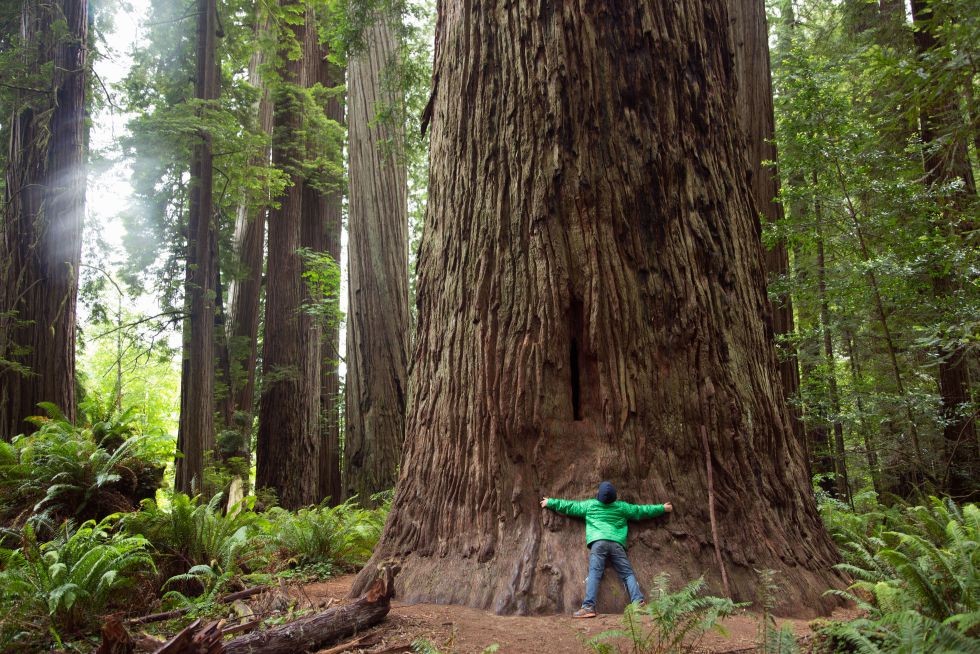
{"type": "Point", "coordinates": [586, 187]}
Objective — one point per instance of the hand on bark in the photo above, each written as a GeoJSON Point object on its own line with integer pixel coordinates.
{"type": "Point", "coordinates": [544, 502]}
{"type": "Point", "coordinates": [668, 507]}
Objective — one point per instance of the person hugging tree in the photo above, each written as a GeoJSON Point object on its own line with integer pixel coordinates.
{"type": "Point", "coordinates": [605, 536]}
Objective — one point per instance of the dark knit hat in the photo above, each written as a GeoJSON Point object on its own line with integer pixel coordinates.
{"type": "Point", "coordinates": [607, 493]}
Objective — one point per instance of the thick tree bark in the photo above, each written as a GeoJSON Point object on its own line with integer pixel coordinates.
{"type": "Point", "coordinates": [946, 161]}
{"type": "Point", "coordinates": [195, 434]}
{"type": "Point", "coordinates": [288, 449]}
{"type": "Point", "coordinates": [44, 206]}
{"type": "Point", "coordinates": [245, 290]}
{"type": "Point", "coordinates": [591, 294]}
{"type": "Point", "coordinates": [377, 319]}
{"type": "Point", "coordinates": [750, 36]}
{"type": "Point", "coordinates": [331, 211]}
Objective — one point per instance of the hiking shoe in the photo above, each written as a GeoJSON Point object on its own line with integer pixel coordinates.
{"type": "Point", "coordinates": [584, 612]}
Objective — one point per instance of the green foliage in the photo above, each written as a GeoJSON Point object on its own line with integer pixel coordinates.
{"type": "Point", "coordinates": [772, 640]}
{"type": "Point", "coordinates": [343, 536]}
{"type": "Point", "coordinates": [64, 585]}
{"type": "Point", "coordinates": [61, 472]}
{"type": "Point", "coordinates": [669, 622]}
{"type": "Point", "coordinates": [915, 572]}
{"type": "Point", "coordinates": [196, 545]}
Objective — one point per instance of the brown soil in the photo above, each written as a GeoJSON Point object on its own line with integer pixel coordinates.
{"type": "Point", "coordinates": [462, 630]}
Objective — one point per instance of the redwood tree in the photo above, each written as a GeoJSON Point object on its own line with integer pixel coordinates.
{"type": "Point", "coordinates": [377, 319]}
{"type": "Point", "coordinates": [43, 210]}
{"type": "Point", "coordinates": [288, 447]}
{"type": "Point", "coordinates": [750, 36]}
{"type": "Point", "coordinates": [591, 302]}
{"type": "Point", "coordinates": [195, 434]}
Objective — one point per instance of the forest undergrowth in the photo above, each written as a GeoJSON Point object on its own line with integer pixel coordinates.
{"type": "Point", "coordinates": [73, 551]}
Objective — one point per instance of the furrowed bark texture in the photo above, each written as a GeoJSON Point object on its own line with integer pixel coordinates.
{"type": "Point", "coordinates": [331, 208]}
{"type": "Point", "coordinates": [377, 318]}
{"type": "Point", "coordinates": [41, 229]}
{"type": "Point", "coordinates": [592, 292]}
{"type": "Point", "coordinates": [288, 448]}
{"type": "Point", "coordinates": [195, 433]}
{"type": "Point", "coordinates": [245, 291]}
{"type": "Point", "coordinates": [750, 36]}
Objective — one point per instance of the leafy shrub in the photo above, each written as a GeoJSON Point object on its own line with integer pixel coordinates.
{"type": "Point", "coordinates": [195, 540]}
{"type": "Point", "coordinates": [915, 571]}
{"type": "Point", "coordinates": [64, 585]}
{"type": "Point", "coordinates": [343, 536]}
{"type": "Point", "coordinates": [669, 622]}
{"type": "Point", "coordinates": [61, 472]}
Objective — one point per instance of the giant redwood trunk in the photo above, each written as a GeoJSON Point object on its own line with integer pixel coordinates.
{"type": "Point", "coordinates": [288, 447]}
{"type": "Point", "coordinates": [41, 221]}
{"type": "Point", "coordinates": [591, 302]}
{"type": "Point", "coordinates": [750, 38]}
{"type": "Point", "coordinates": [195, 433]}
{"type": "Point", "coordinates": [377, 319]}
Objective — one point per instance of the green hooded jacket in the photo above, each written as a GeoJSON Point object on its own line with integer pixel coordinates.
{"type": "Point", "coordinates": [605, 521]}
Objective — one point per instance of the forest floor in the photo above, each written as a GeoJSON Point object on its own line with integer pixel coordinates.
{"type": "Point", "coordinates": [463, 630]}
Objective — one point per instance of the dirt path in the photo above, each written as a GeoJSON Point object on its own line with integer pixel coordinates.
{"type": "Point", "coordinates": [462, 630]}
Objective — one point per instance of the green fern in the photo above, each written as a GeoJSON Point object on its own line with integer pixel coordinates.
{"type": "Point", "coordinates": [915, 571]}
{"type": "Point", "coordinates": [670, 621]}
{"type": "Point", "coordinates": [68, 583]}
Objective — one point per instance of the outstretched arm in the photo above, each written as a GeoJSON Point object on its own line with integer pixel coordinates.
{"type": "Point", "coordinates": [646, 511]}
{"type": "Point", "coordinates": [566, 507]}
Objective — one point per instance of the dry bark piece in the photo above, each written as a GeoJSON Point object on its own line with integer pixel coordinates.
{"type": "Point", "coordinates": [313, 631]}
{"type": "Point", "coordinates": [195, 639]}
{"type": "Point", "coordinates": [115, 638]}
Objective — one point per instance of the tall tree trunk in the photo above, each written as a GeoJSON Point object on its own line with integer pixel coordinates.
{"type": "Point", "coordinates": [245, 291]}
{"type": "Point", "coordinates": [377, 320]}
{"type": "Point", "coordinates": [591, 297]}
{"type": "Point", "coordinates": [44, 206]}
{"type": "Point", "coordinates": [195, 434]}
{"type": "Point", "coordinates": [288, 448]}
{"type": "Point", "coordinates": [947, 161]}
{"type": "Point", "coordinates": [870, 448]}
{"type": "Point", "coordinates": [750, 35]}
{"type": "Point", "coordinates": [841, 482]}
{"type": "Point", "coordinates": [331, 210]}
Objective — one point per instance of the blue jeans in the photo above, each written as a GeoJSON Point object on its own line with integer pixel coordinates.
{"type": "Point", "coordinates": [608, 549]}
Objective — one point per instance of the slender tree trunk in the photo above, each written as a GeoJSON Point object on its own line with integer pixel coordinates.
{"type": "Point", "coordinates": [750, 35]}
{"type": "Point", "coordinates": [43, 212]}
{"type": "Point", "coordinates": [377, 320]}
{"type": "Point", "coordinates": [841, 481]}
{"type": "Point", "coordinates": [195, 435]}
{"type": "Point", "coordinates": [591, 295]}
{"type": "Point", "coordinates": [946, 161]}
{"type": "Point", "coordinates": [331, 211]}
{"type": "Point", "coordinates": [288, 449]}
{"type": "Point", "coordinates": [870, 449]}
{"type": "Point", "coordinates": [245, 291]}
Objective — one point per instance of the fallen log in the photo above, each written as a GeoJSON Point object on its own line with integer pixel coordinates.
{"type": "Point", "coordinates": [320, 629]}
